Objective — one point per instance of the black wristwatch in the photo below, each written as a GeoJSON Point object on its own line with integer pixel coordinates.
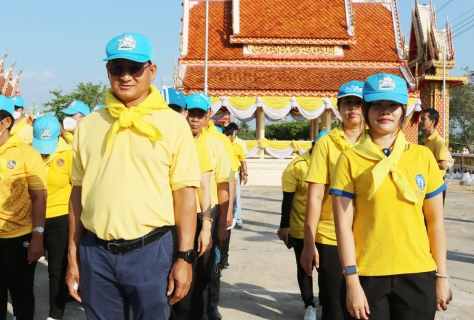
{"type": "Point", "coordinates": [189, 256]}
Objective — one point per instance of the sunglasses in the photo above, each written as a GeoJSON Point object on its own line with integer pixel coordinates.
{"type": "Point", "coordinates": [135, 70]}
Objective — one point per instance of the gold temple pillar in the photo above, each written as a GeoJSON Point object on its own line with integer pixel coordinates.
{"type": "Point", "coordinates": [313, 129]}
{"type": "Point", "coordinates": [260, 132]}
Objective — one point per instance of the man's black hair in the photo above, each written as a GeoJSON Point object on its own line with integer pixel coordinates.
{"type": "Point", "coordinates": [432, 115]}
{"type": "Point", "coordinates": [5, 114]}
{"type": "Point", "coordinates": [233, 125]}
{"type": "Point", "coordinates": [228, 131]}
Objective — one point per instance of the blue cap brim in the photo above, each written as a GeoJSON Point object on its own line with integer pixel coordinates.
{"type": "Point", "coordinates": [197, 107]}
{"type": "Point", "coordinates": [128, 56]}
{"type": "Point", "coordinates": [45, 146]}
{"type": "Point", "coordinates": [350, 95]}
{"type": "Point", "coordinates": [370, 97]}
{"type": "Point", "coordinates": [70, 111]}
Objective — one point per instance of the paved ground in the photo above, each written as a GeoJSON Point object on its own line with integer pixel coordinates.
{"type": "Point", "coordinates": [261, 281]}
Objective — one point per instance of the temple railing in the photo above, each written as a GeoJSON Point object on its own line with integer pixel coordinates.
{"type": "Point", "coordinates": [463, 161]}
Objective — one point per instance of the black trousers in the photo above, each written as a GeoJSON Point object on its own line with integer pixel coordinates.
{"type": "Point", "coordinates": [56, 243]}
{"type": "Point", "coordinates": [401, 297]}
{"type": "Point", "coordinates": [305, 282]}
{"type": "Point", "coordinates": [195, 304]}
{"type": "Point", "coordinates": [17, 277]}
{"type": "Point", "coordinates": [330, 281]}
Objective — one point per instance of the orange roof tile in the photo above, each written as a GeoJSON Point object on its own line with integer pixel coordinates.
{"type": "Point", "coordinates": [303, 19]}
{"type": "Point", "coordinates": [375, 37]}
{"type": "Point", "coordinates": [298, 81]}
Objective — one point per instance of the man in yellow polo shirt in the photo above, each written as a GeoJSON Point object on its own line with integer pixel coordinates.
{"type": "Point", "coordinates": [433, 141]}
{"type": "Point", "coordinates": [134, 176]}
{"type": "Point", "coordinates": [20, 126]}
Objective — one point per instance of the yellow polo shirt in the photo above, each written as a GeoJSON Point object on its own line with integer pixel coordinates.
{"type": "Point", "coordinates": [24, 171]}
{"type": "Point", "coordinates": [321, 170]}
{"type": "Point", "coordinates": [127, 189]}
{"type": "Point", "coordinates": [212, 130]}
{"type": "Point", "coordinates": [437, 146]}
{"type": "Point", "coordinates": [204, 159]}
{"type": "Point", "coordinates": [222, 169]}
{"type": "Point", "coordinates": [24, 131]}
{"type": "Point", "coordinates": [389, 231]}
{"type": "Point", "coordinates": [68, 136]}
{"type": "Point", "coordinates": [293, 180]}
{"type": "Point", "coordinates": [241, 143]}
{"type": "Point", "coordinates": [58, 173]}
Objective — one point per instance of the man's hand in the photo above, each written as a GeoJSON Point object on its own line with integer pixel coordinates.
{"type": "Point", "coordinates": [205, 238]}
{"type": "Point", "coordinates": [309, 258]}
{"type": "Point", "coordinates": [443, 294]}
{"type": "Point", "coordinates": [179, 280]}
{"type": "Point", "coordinates": [283, 234]}
{"type": "Point", "coordinates": [245, 179]}
{"type": "Point", "coordinates": [73, 279]}
{"type": "Point", "coordinates": [230, 219]}
{"type": "Point", "coordinates": [35, 248]}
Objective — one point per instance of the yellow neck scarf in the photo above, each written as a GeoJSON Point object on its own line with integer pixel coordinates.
{"type": "Point", "coordinates": [68, 136]}
{"type": "Point", "coordinates": [13, 141]}
{"type": "Point", "coordinates": [369, 150]}
{"type": "Point", "coordinates": [128, 117]}
{"type": "Point", "coordinates": [212, 130]}
{"type": "Point", "coordinates": [62, 146]}
{"type": "Point", "coordinates": [18, 127]}
{"type": "Point", "coordinates": [337, 135]}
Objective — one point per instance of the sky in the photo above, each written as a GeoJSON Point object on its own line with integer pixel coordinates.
{"type": "Point", "coordinates": [60, 43]}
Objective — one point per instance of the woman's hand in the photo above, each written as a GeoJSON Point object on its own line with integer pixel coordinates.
{"type": "Point", "coordinates": [283, 234]}
{"type": "Point", "coordinates": [205, 238]}
{"type": "Point", "coordinates": [356, 300]}
{"type": "Point", "coordinates": [443, 294]}
{"type": "Point", "coordinates": [309, 258]}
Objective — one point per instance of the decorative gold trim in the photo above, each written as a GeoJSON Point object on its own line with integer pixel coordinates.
{"type": "Point", "coordinates": [248, 40]}
{"type": "Point", "coordinates": [262, 93]}
{"type": "Point", "coordinates": [275, 62]}
{"type": "Point", "coordinates": [294, 49]}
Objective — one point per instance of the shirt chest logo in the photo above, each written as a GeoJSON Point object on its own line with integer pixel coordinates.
{"type": "Point", "coordinates": [60, 162]}
{"type": "Point", "coordinates": [420, 182]}
{"type": "Point", "coordinates": [11, 164]}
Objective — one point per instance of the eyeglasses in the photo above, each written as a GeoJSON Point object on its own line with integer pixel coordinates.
{"type": "Point", "coordinates": [135, 70]}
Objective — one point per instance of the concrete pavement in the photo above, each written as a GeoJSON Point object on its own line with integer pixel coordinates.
{"type": "Point", "coordinates": [261, 281]}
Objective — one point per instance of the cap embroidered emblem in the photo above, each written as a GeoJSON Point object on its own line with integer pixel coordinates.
{"type": "Point", "coordinates": [126, 43]}
{"type": "Point", "coordinates": [354, 89]}
{"type": "Point", "coordinates": [14, 99]}
{"type": "Point", "coordinates": [386, 83]}
{"type": "Point", "coordinates": [45, 134]}
{"type": "Point", "coordinates": [60, 162]}
{"type": "Point", "coordinates": [420, 182]}
{"type": "Point", "coordinates": [11, 164]}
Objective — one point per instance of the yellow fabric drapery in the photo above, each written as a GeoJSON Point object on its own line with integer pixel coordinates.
{"type": "Point", "coordinates": [278, 145]}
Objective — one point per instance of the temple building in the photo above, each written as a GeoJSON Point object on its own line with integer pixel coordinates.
{"type": "Point", "coordinates": [9, 84]}
{"type": "Point", "coordinates": [270, 59]}
{"type": "Point", "coordinates": [430, 56]}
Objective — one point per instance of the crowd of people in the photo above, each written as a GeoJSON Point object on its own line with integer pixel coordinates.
{"type": "Point", "coordinates": [134, 203]}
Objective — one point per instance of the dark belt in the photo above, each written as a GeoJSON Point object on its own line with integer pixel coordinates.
{"type": "Point", "coordinates": [123, 246]}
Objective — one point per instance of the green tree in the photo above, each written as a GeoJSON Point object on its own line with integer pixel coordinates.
{"type": "Point", "coordinates": [89, 93]}
{"type": "Point", "coordinates": [245, 132]}
{"type": "Point", "coordinates": [291, 130]}
{"type": "Point", "coordinates": [461, 113]}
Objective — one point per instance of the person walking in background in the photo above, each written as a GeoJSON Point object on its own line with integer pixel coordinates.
{"type": "Point", "coordinates": [433, 141]}
{"type": "Point", "coordinates": [20, 126]}
{"type": "Point", "coordinates": [75, 112]}
{"type": "Point", "coordinates": [134, 175]}
{"type": "Point", "coordinates": [57, 157]}
{"type": "Point", "coordinates": [291, 231]}
{"type": "Point", "coordinates": [22, 217]}
{"type": "Point", "coordinates": [384, 190]}
{"type": "Point", "coordinates": [320, 243]}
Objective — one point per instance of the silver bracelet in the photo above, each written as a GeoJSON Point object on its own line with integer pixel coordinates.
{"type": "Point", "coordinates": [444, 276]}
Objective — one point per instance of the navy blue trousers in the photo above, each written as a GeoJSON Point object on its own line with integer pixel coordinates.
{"type": "Point", "coordinates": [111, 284]}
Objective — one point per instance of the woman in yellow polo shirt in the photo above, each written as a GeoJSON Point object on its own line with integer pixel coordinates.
{"type": "Point", "coordinates": [22, 214]}
{"type": "Point", "coordinates": [384, 190]}
{"type": "Point", "coordinates": [320, 245]}
{"type": "Point", "coordinates": [57, 156]}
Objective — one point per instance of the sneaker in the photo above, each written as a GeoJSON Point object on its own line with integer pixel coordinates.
{"type": "Point", "coordinates": [214, 314]}
{"type": "Point", "coordinates": [49, 318]}
{"type": "Point", "coordinates": [310, 313]}
{"type": "Point", "coordinates": [238, 225]}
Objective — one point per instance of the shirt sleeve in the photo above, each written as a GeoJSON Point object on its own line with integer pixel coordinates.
{"type": "Point", "coordinates": [434, 184]}
{"type": "Point", "coordinates": [184, 171]}
{"type": "Point", "coordinates": [35, 170]}
{"type": "Point", "coordinates": [318, 170]}
{"type": "Point", "coordinates": [440, 151]}
{"type": "Point", "coordinates": [343, 184]}
{"type": "Point", "coordinates": [223, 171]}
{"type": "Point", "coordinates": [69, 160]}
{"type": "Point", "coordinates": [289, 179]}
{"type": "Point", "coordinates": [203, 155]}
{"type": "Point", "coordinates": [77, 173]}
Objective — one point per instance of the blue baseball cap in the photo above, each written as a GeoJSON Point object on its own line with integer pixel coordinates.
{"type": "Point", "coordinates": [198, 101]}
{"type": "Point", "coordinates": [76, 107]}
{"type": "Point", "coordinates": [130, 46]}
{"type": "Point", "coordinates": [46, 130]}
{"type": "Point", "coordinates": [173, 96]}
{"type": "Point", "coordinates": [351, 88]}
{"type": "Point", "coordinates": [18, 101]}
{"type": "Point", "coordinates": [6, 104]}
{"type": "Point", "coordinates": [385, 86]}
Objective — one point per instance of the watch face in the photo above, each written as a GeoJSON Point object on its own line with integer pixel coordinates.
{"type": "Point", "coordinates": [39, 229]}
{"type": "Point", "coordinates": [191, 255]}
{"type": "Point", "coordinates": [351, 270]}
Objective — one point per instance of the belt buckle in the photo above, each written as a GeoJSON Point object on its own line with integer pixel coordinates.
{"type": "Point", "coordinates": [112, 244]}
